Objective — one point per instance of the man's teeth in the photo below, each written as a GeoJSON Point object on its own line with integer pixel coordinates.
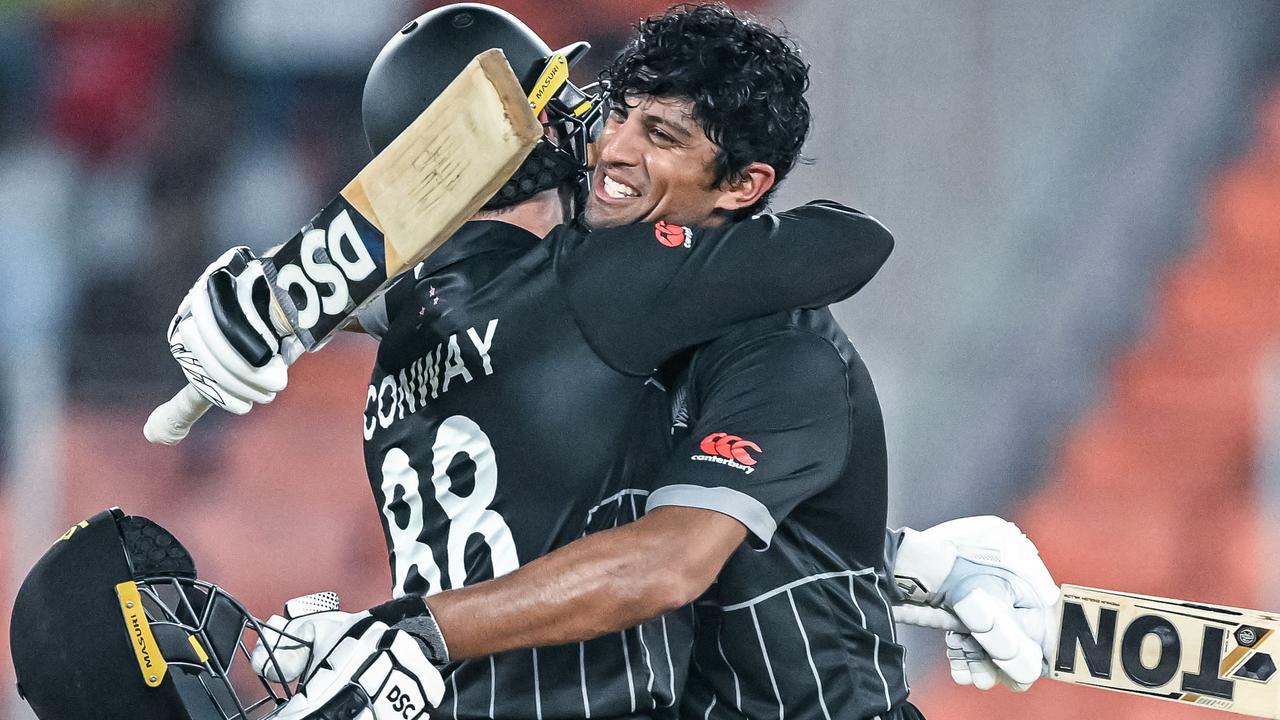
{"type": "Point", "coordinates": [615, 189]}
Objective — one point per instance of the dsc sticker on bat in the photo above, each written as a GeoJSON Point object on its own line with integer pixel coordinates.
{"type": "Point", "coordinates": [332, 265]}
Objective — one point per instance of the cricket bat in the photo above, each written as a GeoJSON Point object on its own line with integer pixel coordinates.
{"type": "Point", "coordinates": [1212, 656]}
{"type": "Point", "coordinates": [402, 206]}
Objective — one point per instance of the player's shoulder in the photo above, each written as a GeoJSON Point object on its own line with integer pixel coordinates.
{"type": "Point", "coordinates": [801, 328]}
{"type": "Point", "coordinates": [826, 209]}
{"type": "Point", "coordinates": [489, 243]}
{"type": "Point", "coordinates": [478, 254]}
{"type": "Point", "coordinates": [804, 346]}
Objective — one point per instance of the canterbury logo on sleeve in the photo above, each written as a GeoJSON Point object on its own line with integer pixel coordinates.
{"type": "Point", "coordinates": [726, 449]}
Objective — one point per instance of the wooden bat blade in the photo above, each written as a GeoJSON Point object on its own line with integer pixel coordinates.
{"type": "Point", "coordinates": [469, 142]}
{"type": "Point", "coordinates": [1212, 656]}
{"type": "Point", "coordinates": [402, 206]}
{"type": "Point", "coordinates": [407, 201]}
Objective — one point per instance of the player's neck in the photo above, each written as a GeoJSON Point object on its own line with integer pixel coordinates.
{"type": "Point", "coordinates": [538, 214]}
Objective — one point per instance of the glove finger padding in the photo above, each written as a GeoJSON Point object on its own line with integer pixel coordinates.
{"type": "Point", "coordinates": [240, 306]}
{"type": "Point", "coordinates": [223, 337]}
{"type": "Point", "coordinates": [311, 627]}
{"type": "Point", "coordinates": [304, 605]}
{"type": "Point", "coordinates": [401, 682]}
{"type": "Point", "coordinates": [190, 354]}
{"type": "Point", "coordinates": [231, 257]}
{"type": "Point", "coordinates": [992, 625]}
{"type": "Point", "coordinates": [373, 672]}
{"type": "Point", "coordinates": [220, 298]}
{"type": "Point", "coordinates": [970, 665]}
{"type": "Point", "coordinates": [288, 656]}
{"type": "Point", "coordinates": [974, 545]}
{"type": "Point", "coordinates": [214, 364]}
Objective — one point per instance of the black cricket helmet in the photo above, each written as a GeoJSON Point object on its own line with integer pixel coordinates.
{"type": "Point", "coordinates": [112, 623]}
{"type": "Point", "coordinates": [417, 64]}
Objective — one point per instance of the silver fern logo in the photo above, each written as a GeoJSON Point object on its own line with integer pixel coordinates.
{"type": "Point", "coordinates": [679, 409]}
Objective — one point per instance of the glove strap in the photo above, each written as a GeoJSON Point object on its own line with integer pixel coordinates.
{"type": "Point", "coordinates": [348, 703]}
{"type": "Point", "coordinates": [921, 566]}
{"type": "Point", "coordinates": [411, 614]}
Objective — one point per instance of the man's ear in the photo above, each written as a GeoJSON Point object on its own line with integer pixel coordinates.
{"type": "Point", "coordinates": [756, 180]}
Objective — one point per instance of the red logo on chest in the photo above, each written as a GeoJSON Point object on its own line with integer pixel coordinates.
{"type": "Point", "coordinates": [673, 235]}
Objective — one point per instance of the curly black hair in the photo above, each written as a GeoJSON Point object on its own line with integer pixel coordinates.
{"type": "Point", "coordinates": [746, 82]}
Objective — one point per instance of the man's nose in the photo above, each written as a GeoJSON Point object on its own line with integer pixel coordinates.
{"type": "Point", "coordinates": [620, 143]}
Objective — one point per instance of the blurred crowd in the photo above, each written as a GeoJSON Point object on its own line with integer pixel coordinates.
{"type": "Point", "coordinates": [139, 138]}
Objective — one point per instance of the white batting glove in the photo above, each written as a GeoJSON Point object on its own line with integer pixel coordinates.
{"type": "Point", "coordinates": [374, 672]}
{"type": "Point", "coordinates": [983, 579]}
{"type": "Point", "coordinates": [312, 625]}
{"type": "Point", "coordinates": [223, 338]}
{"type": "Point", "coordinates": [971, 665]}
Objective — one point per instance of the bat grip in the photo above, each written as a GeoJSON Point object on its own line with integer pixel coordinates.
{"type": "Point", "coordinates": [170, 423]}
{"type": "Point", "coordinates": [927, 617]}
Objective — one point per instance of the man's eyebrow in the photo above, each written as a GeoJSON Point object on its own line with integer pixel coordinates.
{"type": "Point", "coordinates": [680, 126]}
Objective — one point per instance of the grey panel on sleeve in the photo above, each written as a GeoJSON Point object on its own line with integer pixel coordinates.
{"type": "Point", "coordinates": [727, 501]}
{"type": "Point", "coordinates": [373, 317]}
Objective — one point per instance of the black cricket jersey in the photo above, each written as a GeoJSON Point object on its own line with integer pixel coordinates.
{"type": "Point", "coordinates": [777, 425]}
{"type": "Point", "coordinates": [510, 372]}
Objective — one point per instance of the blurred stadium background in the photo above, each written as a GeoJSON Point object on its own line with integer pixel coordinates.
{"type": "Point", "coordinates": [1080, 327]}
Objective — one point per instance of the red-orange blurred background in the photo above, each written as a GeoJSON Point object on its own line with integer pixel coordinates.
{"type": "Point", "coordinates": [1080, 328]}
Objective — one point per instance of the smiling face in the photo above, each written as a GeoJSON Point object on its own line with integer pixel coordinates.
{"type": "Point", "coordinates": [655, 163]}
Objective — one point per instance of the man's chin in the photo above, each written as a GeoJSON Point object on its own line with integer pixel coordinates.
{"type": "Point", "coordinates": [598, 217]}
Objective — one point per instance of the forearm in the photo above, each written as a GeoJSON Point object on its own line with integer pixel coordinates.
{"type": "Point", "coordinates": [586, 589]}
{"type": "Point", "coordinates": [823, 252]}
{"type": "Point", "coordinates": [602, 583]}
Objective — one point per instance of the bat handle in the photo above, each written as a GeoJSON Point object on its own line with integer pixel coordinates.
{"type": "Point", "coordinates": [927, 617]}
{"type": "Point", "coordinates": [170, 423]}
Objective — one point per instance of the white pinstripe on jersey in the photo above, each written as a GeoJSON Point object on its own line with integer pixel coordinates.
{"type": "Point", "coordinates": [768, 666]}
{"type": "Point", "coordinates": [648, 664]}
{"type": "Point", "coordinates": [737, 687]}
{"type": "Point", "coordinates": [614, 498]}
{"type": "Point", "coordinates": [893, 631]}
{"type": "Point", "coordinates": [582, 668]}
{"type": "Point", "coordinates": [822, 700]}
{"type": "Point", "coordinates": [875, 653]}
{"type": "Point", "coordinates": [537, 686]}
{"type": "Point", "coordinates": [648, 659]}
{"type": "Point", "coordinates": [797, 583]}
{"type": "Point", "coordinates": [893, 628]}
{"type": "Point", "coordinates": [671, 670]}
{"type": "Point", "coordinates": [787, 590]}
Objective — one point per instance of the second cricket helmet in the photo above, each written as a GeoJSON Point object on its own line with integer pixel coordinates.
{"type": "Point", "coordinates": [426, 55]}
{"type": "Point", "coordinates": [112, 623]}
